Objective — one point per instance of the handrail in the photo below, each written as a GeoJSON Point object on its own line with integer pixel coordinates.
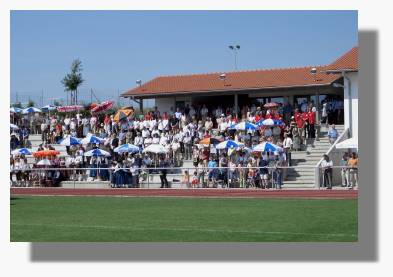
{"type": "Point", "coordinates": [333, 146]}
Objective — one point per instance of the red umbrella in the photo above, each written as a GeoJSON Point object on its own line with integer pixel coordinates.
{"type": "Point", "coordinates": [104, 106]}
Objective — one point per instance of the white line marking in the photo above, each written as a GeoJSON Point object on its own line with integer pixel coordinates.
{"type": "Point", "coordinates": [184, 230]}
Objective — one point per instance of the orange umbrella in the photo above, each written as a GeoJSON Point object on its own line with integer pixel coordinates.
{"type": "Point", "coordinates": [46, 153]}
{"type": "Point", "coordinates": [122, 114]}
{"type": "Point", "coordinates": [208, 141]}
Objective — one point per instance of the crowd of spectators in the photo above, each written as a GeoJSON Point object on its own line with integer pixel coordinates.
{"type": "Point", "coordinates": [180, 132]}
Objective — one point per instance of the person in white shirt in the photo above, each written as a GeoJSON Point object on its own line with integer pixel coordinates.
{"type": "Point", "coordinates": [287, 145]}
{"type": "Point", "coordinates": [178, 113]}
{"type": "Point", "coordinates": [175, 151]}
{"type": "Point", "coordinates": [223, 126]}
{"type": "Point", "coordinates": [147, 141]}
{"type": "Point", "coordinates": [326, 166]}
{"type": "Point", "coordinates": [192, 112]}
{"type": "Point", "coordinates": [204, 112]}
{"type": "Point", "coordinates": [138, 141]}
{"type": "Point", "coordinates": [145, 132]}
{"type": "Point", "coordinates": [156, 139]}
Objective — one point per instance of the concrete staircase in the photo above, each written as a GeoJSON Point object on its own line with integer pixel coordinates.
{"type": "Point", "coordinates": [35, 143]}
{"type": "Point", "coordinates": [304, 177]}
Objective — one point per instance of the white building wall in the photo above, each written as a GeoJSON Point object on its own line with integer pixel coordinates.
{"type": "Point", "coordinates": [165, 104]}
{"type": "Point", "coordinates": [353, 77]}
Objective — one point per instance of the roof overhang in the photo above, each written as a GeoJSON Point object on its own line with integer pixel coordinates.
{"type": "Point", "coordinates": [223, 91]}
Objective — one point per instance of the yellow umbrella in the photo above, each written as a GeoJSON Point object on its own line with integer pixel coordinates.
{"type": "Point", "coordinates": [122, 114]}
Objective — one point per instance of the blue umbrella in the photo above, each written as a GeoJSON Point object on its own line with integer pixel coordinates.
{"type": "Point", "coordinates": [22, 151]}
{"type": "Point", "coordinates": [68, 141]}
{"type": "Point", "coordinates": [15, 110]}
{"type": "Point", "coordinates": [270, 122]}
{"type": "Point", "coordinates": [97, 153]}
{"type": "Point", "coordinates": [91, 139]}
{"type": "Point", "coordinates": [267, 147]}
{"type": "Point", "coordinates": [229, 144]}
{"type": "Point", "coordinates": [31, 110]}
{"type": "Point", "coordinates": [129, 148]}
{"type": "Point", "coordinates": [243, 126]}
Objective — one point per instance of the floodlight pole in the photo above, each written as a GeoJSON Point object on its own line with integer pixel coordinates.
{"type": "Point", "coordinates": [235, 48]}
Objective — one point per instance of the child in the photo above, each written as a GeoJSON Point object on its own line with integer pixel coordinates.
{"type": "Point", "coordinates": [186, 179]}
{"type": "Point", "coordinates": [195, 179]}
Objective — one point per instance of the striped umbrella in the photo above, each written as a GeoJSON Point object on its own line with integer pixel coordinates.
{"type": "Point", "coordinates": [97, 153]}
{"type": "Point", "coordinates": [267, 147]}
{"type": "Point", "coordinates": [229, 144]}
{"type": "Point", "coordinates": [270, 122]}
{"type": "Point", "coordinates": [68, 141]}
{"type": "Point", "coordinates": [243, 126]}
{"type": "Point", "coordinates": [92, 139]}
{"type": "Point", "coordinates": [73, 108]}
{"type": "Point", "coordinates": [31, 110]}
{"type": "Point", "coordinates": [122, 114]}
{"type": "Point", "coordinates": [15, 110]}
{"type": "Point", "coordinates": [127, 148]}
{"type": "Point", "coordinates": [22, 151]}
{"type": "Point", "coordinates": [102, 107]}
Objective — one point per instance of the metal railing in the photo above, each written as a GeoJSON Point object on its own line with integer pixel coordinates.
{"type": "Point", "coordinates": [199, 177]}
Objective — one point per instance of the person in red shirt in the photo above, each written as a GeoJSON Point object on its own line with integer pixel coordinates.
{"type": "Point", "coordinates": [300, 124]}
{"type": "Point", "coordinates": [311, 123]}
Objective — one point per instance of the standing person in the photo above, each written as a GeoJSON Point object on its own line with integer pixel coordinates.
{"type": "Point", "coordinates": [311, 122]}
{"type": "Point", "coordinates": [344, 170]}
{"type": "Point", "coordinates": [163, 172]}
{"type": "Point", "coordinates": [326, 166]}
{"type": "Point", "coordinates": [333, 134]}
{"type": "Point", "coordinates": [277, 171]}
{"type": "Point", "coordinates": [300, 125]}
{"type": "Point", "coordinates": [324, 118]}
{"type": "Point", "coordinates": [287, 145]}
{"type": "Point", "coordinates": [353, 163]}
{"type": "Point", "coordinates": [186, 179]}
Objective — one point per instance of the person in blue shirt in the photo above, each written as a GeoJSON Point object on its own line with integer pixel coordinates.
{"type": "Point", "coordinates": [332, 134]}
{"type": "Point", "coordinates": [213, 173]}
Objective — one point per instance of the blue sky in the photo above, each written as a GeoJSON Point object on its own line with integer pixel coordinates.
{"type": "Point", "coordinates": [118, 47]}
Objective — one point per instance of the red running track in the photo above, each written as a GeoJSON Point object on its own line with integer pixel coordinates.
{"type": "Point", "coordinates": [242, 193]}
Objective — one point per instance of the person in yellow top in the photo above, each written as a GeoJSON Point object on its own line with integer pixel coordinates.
{"type": "Point", "coordinates": [353, 163]}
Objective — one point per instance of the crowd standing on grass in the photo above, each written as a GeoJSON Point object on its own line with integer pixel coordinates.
{"type": "Point", "coordinates": [182, 132]}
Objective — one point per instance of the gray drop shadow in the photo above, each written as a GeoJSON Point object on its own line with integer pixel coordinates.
{"type": "Point", "coordinates": [365, 249]}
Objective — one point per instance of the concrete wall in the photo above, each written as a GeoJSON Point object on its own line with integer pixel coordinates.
{"type": "Point", "coordinates": [353, 77]}
{"type": "Point", "coordinates": [165, 104]}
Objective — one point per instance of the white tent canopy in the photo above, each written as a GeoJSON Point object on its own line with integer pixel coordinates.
{"type": "Point", "coordinates": [351, 143]}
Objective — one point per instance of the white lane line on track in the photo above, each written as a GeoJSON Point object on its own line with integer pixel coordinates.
{"type": "Point", "coordinates": [184, 230]}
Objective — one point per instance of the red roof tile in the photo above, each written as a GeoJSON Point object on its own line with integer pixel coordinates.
{"type": "Point", "coordinates": [244, 80]}
{"type": "Point", "coordinates": [348, 61]}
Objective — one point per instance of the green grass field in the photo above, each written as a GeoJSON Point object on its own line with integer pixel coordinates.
{"type": "Point", "coordinates": [126, 219]}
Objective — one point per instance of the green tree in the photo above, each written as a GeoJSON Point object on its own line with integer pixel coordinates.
{"type": "Point", "coordinates": [30, 103]}
{"type": "Point", "coordinates": [17, 105]}
{"type": "Point", "coordinates": [73, 80]}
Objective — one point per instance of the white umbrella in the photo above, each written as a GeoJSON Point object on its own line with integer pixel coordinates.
{"type": "Point", "coordinates": [351, 143]}
{"type": "Point", "coordinates": [44, 162]}
{"type": "Point", "coordinates": [14, 127]}
{"type": "Point", "coordinates": [155, 148]}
